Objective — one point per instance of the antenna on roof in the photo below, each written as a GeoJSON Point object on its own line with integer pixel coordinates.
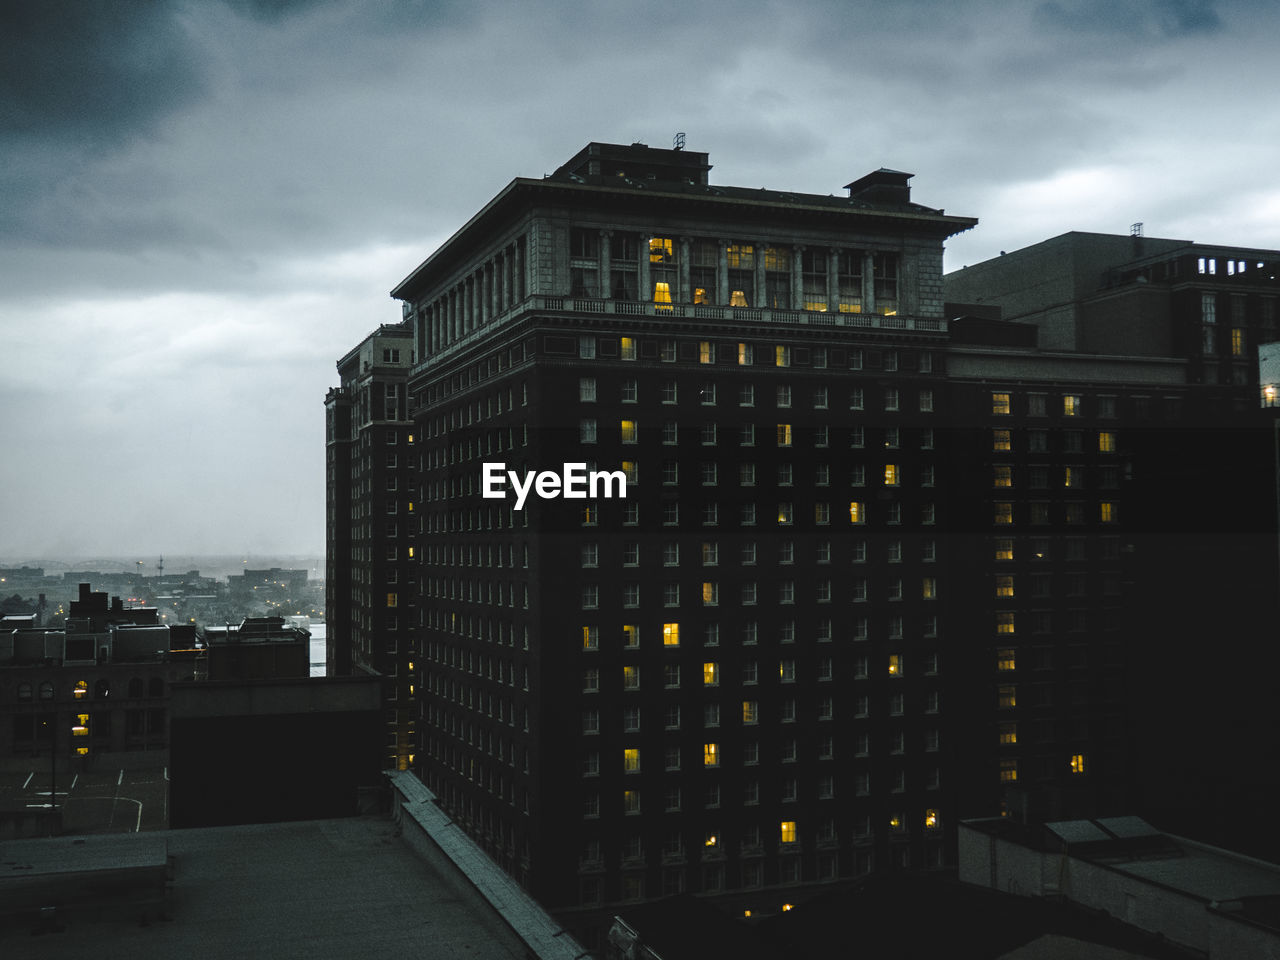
{"type": "Point", "coordinates": [677, 142]}
{"type": "Point", "coordinates": [1135, 229]}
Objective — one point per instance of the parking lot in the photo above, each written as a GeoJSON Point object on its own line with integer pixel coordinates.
{"type": "Point", "coordinates": [119, 800]}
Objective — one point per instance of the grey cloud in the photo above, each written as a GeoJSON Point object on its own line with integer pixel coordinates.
{"type": "Point", "coordinates": [1130, 19]}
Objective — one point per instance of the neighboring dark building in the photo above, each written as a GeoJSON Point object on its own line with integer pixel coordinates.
{"type": "Point", "coordinates": [265, 751]}
{"type": "Point", "coordinates": [370, 527]}
{"type": "Point", "coordinates": [1151, 638]}
{"type": "Point", "coordinates": [258, 648]}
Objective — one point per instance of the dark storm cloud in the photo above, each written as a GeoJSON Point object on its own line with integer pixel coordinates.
{"type": "Point", "coordinates": [1130, 19]}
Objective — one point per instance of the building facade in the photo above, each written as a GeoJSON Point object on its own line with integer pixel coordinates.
{"type": "Point", "coordinates": [370, 529]}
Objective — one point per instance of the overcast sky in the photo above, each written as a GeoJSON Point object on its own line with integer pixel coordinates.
{"type": "Point", "coordinates": [204, 204]}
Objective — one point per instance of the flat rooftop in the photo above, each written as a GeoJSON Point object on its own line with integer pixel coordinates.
{"type": "Point", "coordinates": [314, 889]}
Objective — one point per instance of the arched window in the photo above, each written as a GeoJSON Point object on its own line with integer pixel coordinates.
{"type": "Point", "coordinates": [81, 689]}
{"type": "Point", "coordinates": [46, 690]}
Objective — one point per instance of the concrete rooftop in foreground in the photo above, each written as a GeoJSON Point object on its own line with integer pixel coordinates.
{"type": "Point", "coordinates": [313, 889]}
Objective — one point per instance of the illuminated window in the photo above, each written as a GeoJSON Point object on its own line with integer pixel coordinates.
{"type": "Point", "coordinates": [895, 664]}
{"type": "Point", "coordinates": [1008, 733]}
{"type": "Point", "coordinates": [630, 678]}
{"type": "Point", "coordinates": [1077, 763]}
{"type": "Point", "coordinates": [1107, 512]}
{"type": "Point", "coordinates": [787, 671]}
{"type": "Point", "coordinates": [632, 470]}
{"type": "Point", "coordinates": [630, 636]}
{"type": "Point", "coordinates": [1008, 771]}
{"type": "Point", "coordinates": [1072, 405]}
{"type": "Point", "coordinates": [81, 689]}
{"type": "Point", "coordinates": [1237, 342]}
{"type": "Point", "coordinates": [631, 760]}
{"type": "Point", "coordinates": [750, 711]}
{"type": "Point", "coordinates": [711, 754]}
{"type": "Point", "coordinates": [1007, 696]}
{"type": "Point", "coordinates": [928, 588]}
{"type": "Point", "coordinates": [784, 434]}
{"type": "Point", "coordinates": [1106, 441]}
{"type": "Point", "coordinates": [81, 727]}
{"type": "Point", "coordinates": [590, 638]}
{"type": "Point", "coordinates": [890, 474]}
{"type": "Point", "coordinates": [1004, 621]}
{"type": "Point", "coordinates": [392, 599]}
{"type": "Point", "coordinates": [787, 833]}
{"type": "Point", "coordinates": [1003, 512]}
{"type": "Point", "coordinates": [857, 511]}
{"type": "Point", "coordinates": [671, 634]}
{"type": "Point", "coordinates": [782, 356]}
{"type": "Point", "coordinates": [931, 819]}
{"type": "Point", "coordinates": [631, 801]}
{"type": "Point", "coordinates": [1000, 404]}
{"type": "Point", "coordinates": [1004, 586]}
{"type": "Point", "coordinates": [627, 345]}
{"type": "Point", "coordinates": [1006, 659]}
{"type": "Point", "coordinates": [630, 431]}
{"type": "Point", "coordinates": [1002, 475]}
{"type": "Point", "coordinates": [711, 673]}
{"type": "Point", "coordinates": [786, 513]}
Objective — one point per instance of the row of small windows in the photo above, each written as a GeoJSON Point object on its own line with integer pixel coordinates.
{"type": "Point", "coordinates": [820, 397]}
{"type": "Point", "coordinates": [711, 675]}
{"type": "Point", "coordinates": [1106, 511]}
{"type": "Point", "coordinates": [1071, 405]}
{"type": "Point", "coordinates": [783, 552]}
{"type": "Point", "coordinates": [1037, 441]}
{"type": "Point", "coordinates": [744, 354]}
{"type": "Point", "coordinates": [783, 434]}
{"type": "Point", "coordinates": [137, 689]}
{"type": "Point", "coordinates": [749, 593]}
{"type": "Point", "coordinates": [786, 515]}
{"type": "Point", "coordinates": [785, 632]}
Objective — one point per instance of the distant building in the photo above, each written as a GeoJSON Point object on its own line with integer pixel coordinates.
{"type": "Point", "coordinates": [371, 525]}
{"type": "Point", "coordinates": [258, 648]}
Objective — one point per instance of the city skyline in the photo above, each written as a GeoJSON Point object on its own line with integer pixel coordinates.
{"type": "Point", "coordinates": [223, 195]}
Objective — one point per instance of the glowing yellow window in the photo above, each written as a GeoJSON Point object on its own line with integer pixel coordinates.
{"type": "Point", "coordinates": [895, 822]}
{"type": "Point", "coordinates": [929, 588]}
{"type": "Point", "coordinates": [712, 841]}
{"type": "Point", "coordinates": [711, 673]}
{"type": "Point", "coordinates": [660, 250]}
{"type": "Point", "coordinates": [629, 431]}
{"type": "Point", "coordinates": [628, 345]}
{"type": "Point", "coordinates": [1006, 659]}
{"type": "Point", "coordinates": [786, 513]}
{"type": "Point", "coordinates": [590, 638]}
{"type": "Point", "coordinates": [1107, 512]}
{"type": "Point", "coordinates": [1002, 476]}
{"type": "Point", "coordinates": [890, 474]}
{"type": "Point", "coordinates": [706, 353]}
{"type": "Point", "coordinates": [411, 553]}
{"type": "Point", "coordinates": [411, 510]}
{"type": "Point", "coordinates": [82, 689]}
{"type": "Point", "coordinates": [784, 434]}
{"type": "Point", "coordinates": [701, 295]}
{"type": "Point", "coordinates": [411, 438]}
{"type": "Point", "coordinates": [711, 754]}
{"type": "Point", "coordinates": [931, 820]}
{"type": "Point", "coordinates": [895, 664]}
{"type": "Point", "coordinates": [630, 678]}
{"type": "Point", "coordinates": [392, 600]}
{"type": "Point", "coordinates": [1000, 404]}
{"type": "Point", "coordinates": [81, 727]}
{"type": "Point", "coordinates": [1007, 696]}
{"type": "Point", "coordinates": [738, 298]}
{"type": "Point", "coordinates": [661, 300]}
{"type": "Point", "coordinates": [857, 511]}
{"type": "Point", "coordinates": [782, 356]}
{"type": "Point", "coordinates": [631, 635]}
{"type": "Point", "coordinates": [1004, 549]}
{"type": "Point", "coordinates": [82, 751]}
{"type": "Point", "coordinates": [1003, 512]}
{"type": "Point", "coordinates": [710, 593]}
{"type": "Point", "coordinates": [1009, 771]}
{"type": "Point", "coordinates": [1008, 733]}
{"type": "Point", "coordinates": [787, 831]}
{"type": "Point", "coordinates": [631, 760]}
{"type": "Point", "coordinates": [1004, 586]}
{"type": "Point", "coordinates": [1004, 621]}
{"type": "Point", "coordinates": [1106, 441]}
{"type": "Point", "coordinates": [1001, 440]}
{"type": "Point", "coordinates": [745, 357]}
{"type": "Point", "coordinates": [671, 634]}
{"type": "Point", "coordinates": [1077, 763]}
{"type": "Point", "coordinates": [632, 471]}
{"type": "Point", "coordinates": [750, 711]}
{"type": "Point", "coordinates": [1071, 405]}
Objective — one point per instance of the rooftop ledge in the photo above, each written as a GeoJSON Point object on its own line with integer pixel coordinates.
{"type": "Point", "coordinates": [692, 311]}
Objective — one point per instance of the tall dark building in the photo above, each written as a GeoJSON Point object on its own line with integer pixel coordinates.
{"type": "Point", "coordinates": [876, 564]}
{"type": "Point", "coordinates": [370, 529]}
